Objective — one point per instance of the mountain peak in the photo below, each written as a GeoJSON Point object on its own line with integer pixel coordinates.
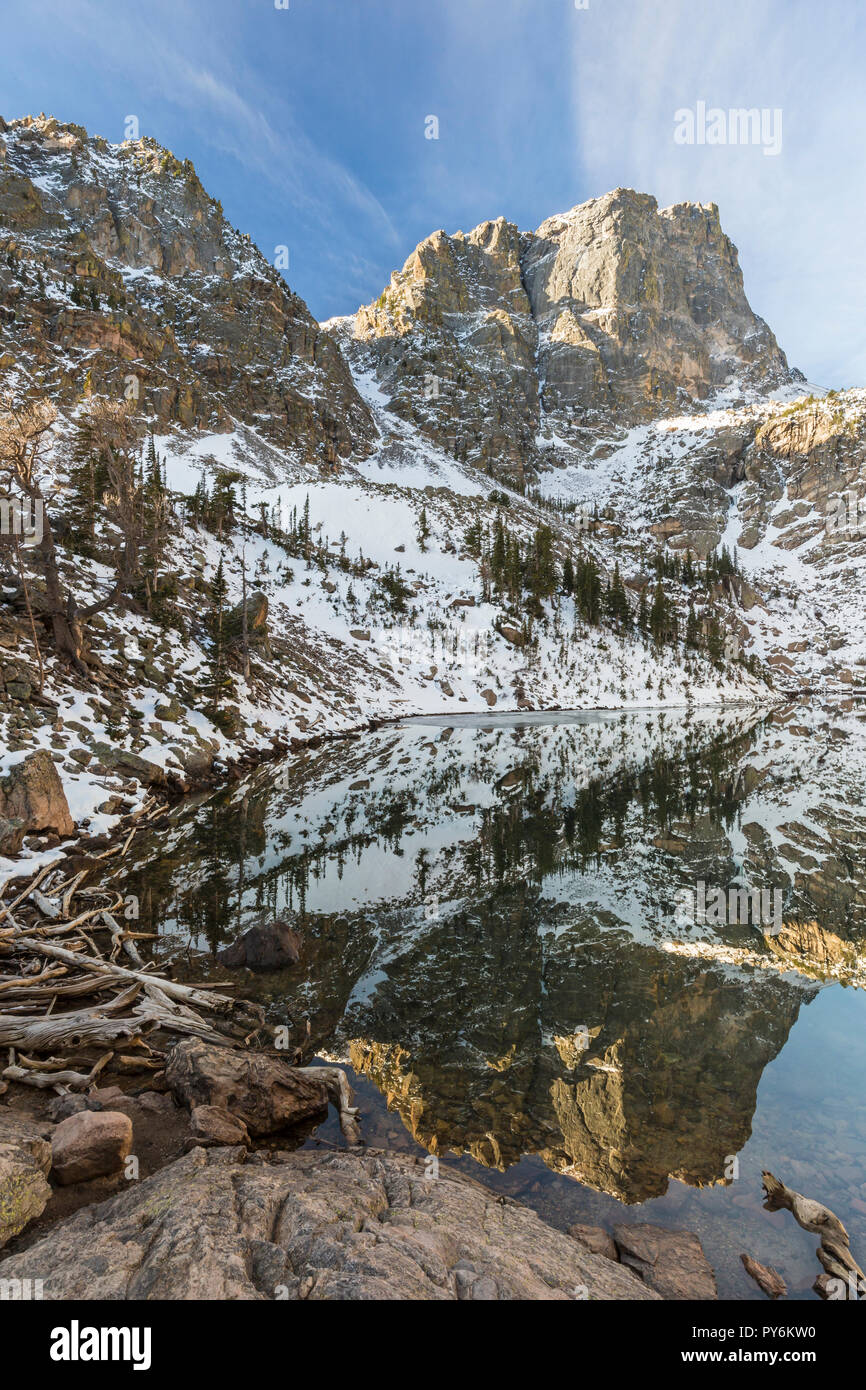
{"type": "Point", "coordinates": [614, 311]}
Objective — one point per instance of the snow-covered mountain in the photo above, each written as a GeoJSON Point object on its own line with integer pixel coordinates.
{"type": "Point", "coordinates": [503, 485]}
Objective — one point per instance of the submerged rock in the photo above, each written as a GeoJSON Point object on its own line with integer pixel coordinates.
{"type": "Point", "coordinates": [314, 1225]}
{"type": "Point", "coordinates": [671, 1262]}
{"type": "Point", "coordinates": [265, 946]}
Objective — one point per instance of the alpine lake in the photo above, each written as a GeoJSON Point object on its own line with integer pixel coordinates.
{"type": "Point", "coordinates": [497, 941]}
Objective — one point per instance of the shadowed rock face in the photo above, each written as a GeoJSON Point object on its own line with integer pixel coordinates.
{"type": "Point", "coordinates": [614, 310]}
{"type": "Point", "coordinates": [115, 261]}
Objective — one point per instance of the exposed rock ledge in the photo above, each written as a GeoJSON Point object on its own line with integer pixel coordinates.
{"type": "Point", "coordinates": [313, 1224]}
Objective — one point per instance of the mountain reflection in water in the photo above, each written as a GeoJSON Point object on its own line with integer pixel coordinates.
{"type": "Point", "coordinates": [490, 939]}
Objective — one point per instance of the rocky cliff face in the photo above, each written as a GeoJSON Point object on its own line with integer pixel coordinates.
{"type": "Point", "coordinates": [498, 343]}
{"type": "Point", "coordinates": [119, 274]}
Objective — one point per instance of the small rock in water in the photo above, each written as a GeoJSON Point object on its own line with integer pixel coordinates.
{"type": "Point", "coordinates": [266, 946]}
{"type": "Point", "coordinates": [596, 1239]}
{"type": "Point", "coordinates": [671, 1262]}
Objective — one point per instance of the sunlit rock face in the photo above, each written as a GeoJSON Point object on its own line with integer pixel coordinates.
{"type": "Point", "coordinates": [639, 308]}
{"type": "Point", "coordinates": [488, 930]}
{"type": "Point", "coordinates": [614, 312]}
{"type": "Point", "coordinates": [120, 274]}
{"type": "Point", "coordinates": [453, 343]}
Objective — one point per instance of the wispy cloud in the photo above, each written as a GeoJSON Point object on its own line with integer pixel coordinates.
{"type": "Point", "coordinates": [282, 152]}
{"type": "Point", "coordinates": [222, 100]}
{"type": "Point", "coordinates": [793, 216]}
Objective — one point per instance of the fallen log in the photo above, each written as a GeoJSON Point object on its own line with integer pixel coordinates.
{"type": "Point", "coordinates": [81, 1028]}
{"type": "Point", "coordinates": [60, 1081]}
{"type": "Point", "coordinates": [48, 908]}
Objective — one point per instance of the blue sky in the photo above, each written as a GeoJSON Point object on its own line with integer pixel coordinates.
{"type": "Point", "coordinates": [309, 124]}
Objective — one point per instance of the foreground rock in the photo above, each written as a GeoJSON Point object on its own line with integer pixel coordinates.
{"type": "Point", "coordinates": [310, 1224]}
{"type": "Point", "coordinates": [671, 1262]}
{"type": "Point", "coordinates": [32, 799]}
{"type": "Point", "coordinates": [91, 1144]}
{"type": "Point", "coordinates": [596, 1239]}
{"type": "Point", "coordinates": [25, 1161]}
{"type": "Point", "coordinates": [266, 1094]}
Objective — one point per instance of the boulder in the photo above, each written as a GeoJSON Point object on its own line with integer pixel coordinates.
{"type": "Point", "coordinates": [91, 1144]}
{"type": "Point", "coordinates": [264, 1092]}
{"type": "Point", "coordinates": [32, 799]}
{"type": "Point", "coordinates": [25, 1161]}
{"type": "Point", "coordinates": [127, 764]}
{"type": "Point", "coordinates": [671, 1262]}
{"type": "Point", "coordinates": [257, 621]}
{"type": "Point", "coordinates": [265, 946]}
{"type": "Point", "coordinates": [213, 1124]}
{"type": "Point", "coordinates": [314, 1224]}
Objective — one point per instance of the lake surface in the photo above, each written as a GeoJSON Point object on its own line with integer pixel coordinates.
{"type": "Point", "coordinates": [502, 938]}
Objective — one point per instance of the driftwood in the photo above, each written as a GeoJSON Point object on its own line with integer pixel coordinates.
{"type": "Point", "coordinates": [121, 939]}
{"type": "Point", "coordinates": [186, 994]}
{"type": "Point", "coordinates": [46, 906]}
{"type": "Point", "coordinates": [41, 1033]}
{"type": "Point", "coordinates": [834, 1251]}
{"type": "Point", "coordinates": [768, 1280]}
{"type": "Point", "coordinates": [339, 1091]}
{"type": "Point", "coordinates": [130, 1000]}
{"type": "Point", "coordinates": [5, 911]}
{"type": "Point", "coordinates": [61, 1081]}
{"type": "Point", "coordinates": [42, 988]}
